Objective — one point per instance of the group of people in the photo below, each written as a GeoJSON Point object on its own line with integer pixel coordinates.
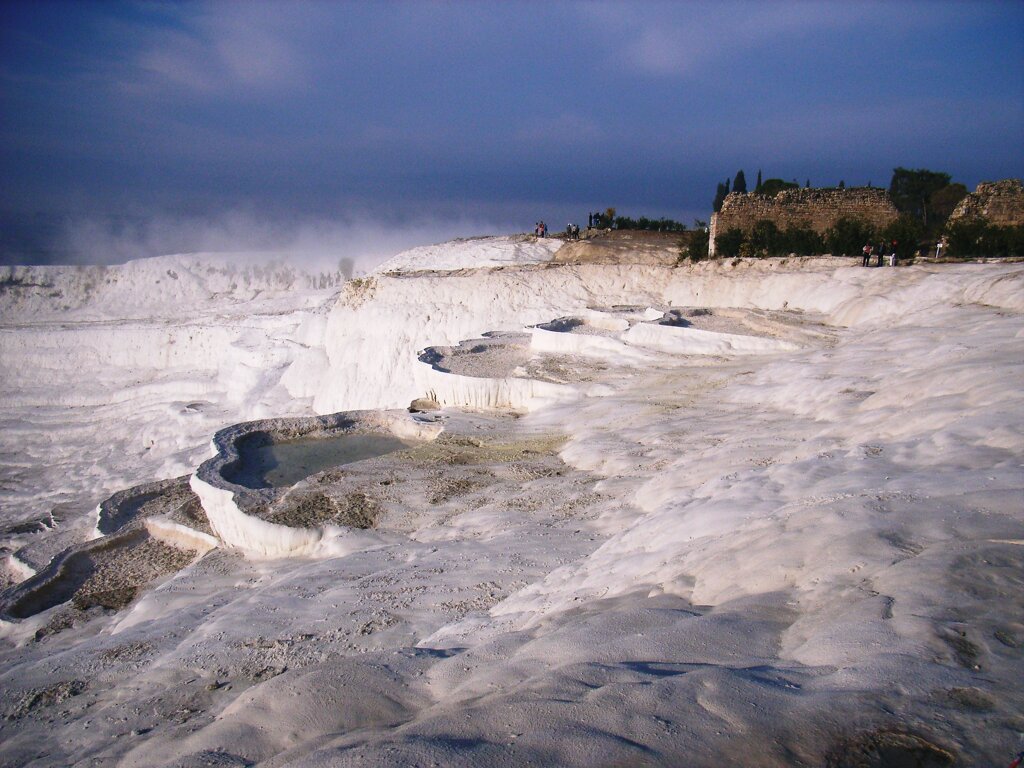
{"type": "Point", "coordinates": [572, 231]}
{"type": "Point", "coordinates": [881, 250]}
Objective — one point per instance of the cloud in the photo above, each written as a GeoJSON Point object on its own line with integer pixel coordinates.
{"type": "Point", "coordinates": [220, 48]}
{"type": "Point", "coordinates": [688, 39]}
{"type": "Point", "coordinates": [180, 59]}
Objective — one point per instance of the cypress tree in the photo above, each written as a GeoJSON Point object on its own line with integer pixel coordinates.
{"type": "Point", "coordinates": [720, 193]}
{"type": "Point", "coordinates": [757, 189]}
{"type": "Point", "coordinates": [740, 182]}
{"type": "Point", "coordinates": [808, 184]}
{"type": "Point", "coordinates": [842, 184]}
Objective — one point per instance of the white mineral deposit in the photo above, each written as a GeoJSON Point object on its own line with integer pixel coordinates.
{"type": "Point", "coordinates": [748, 512]}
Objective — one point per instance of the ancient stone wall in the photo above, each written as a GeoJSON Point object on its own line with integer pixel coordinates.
{"type": "Point", "coordinates": [1000, 203]}
{"type": "Point", "coordinates": [817, 208]}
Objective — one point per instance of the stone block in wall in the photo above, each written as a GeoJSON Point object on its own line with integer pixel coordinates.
{"type": "Point", "coordinates": [818, 209]}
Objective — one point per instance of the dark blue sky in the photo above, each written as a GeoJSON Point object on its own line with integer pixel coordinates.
{"type": "Point", "coordinates": [263, 124]}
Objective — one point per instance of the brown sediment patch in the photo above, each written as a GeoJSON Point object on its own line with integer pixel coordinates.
{"type": "Point", "coordinates": [965, 651]}
{"type": "Point", "coordinates": [316, 507]}
{"type": "Point", "coordinates": [445, 487]}
{"type": "Point", "coordinates": [116, 580]}
{"type": "Point", "coordinates": [38, 698]}
{"type": "Point", "coordinates": [129, 652]}
{"type": "Point", "coordinates": [971, 699]}
{"type": "Point", "coordinates": [888, 749]}
{"type": "Point", "coordinates": [623, 247]}
{"type": "Point", "coordinates": [107, 573]}
{"type": "Point", "coordinates": [564, 369]}
{"type": "Point", "coordinates": [460, 449]}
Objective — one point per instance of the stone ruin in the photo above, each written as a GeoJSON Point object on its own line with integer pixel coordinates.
{"type": "Point", "coordinates": [999, 203]}
{"type": "Point", "coordinates": [818, 209]}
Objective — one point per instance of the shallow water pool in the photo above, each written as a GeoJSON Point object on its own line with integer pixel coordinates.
{"type": "Point", "coordinates": [280, 465]}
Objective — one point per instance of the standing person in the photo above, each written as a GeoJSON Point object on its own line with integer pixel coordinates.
{"type": "Point", "coordinates": [892, 255]}
{"type": "Point", "coordinates": [866, 261]}
{"type": "Point", "coordinates": [938, 249]}
{"type": "Point", "coordinates": [881, 253]}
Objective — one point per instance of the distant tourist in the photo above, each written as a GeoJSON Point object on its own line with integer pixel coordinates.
{"type": "Point", "coordinates": [892, 254]}
{"type": "Point", "coordinates": [881, 253]}
{"type": "Point", "coordinates": [866, 261]}
{"type": "Point", "coordinates": [938, 249]}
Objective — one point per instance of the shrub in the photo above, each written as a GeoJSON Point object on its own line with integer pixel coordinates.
{"type": "Point", "coordinates": [848, 235]}
{"type": "Point", "coordinates": [650, 225]}
{"type": "Point", "coordinates": [764, 238]}
{"type": "Point", "coordinates": [975, 237]}
{"type": "Point", "coordinates": [801, 240]}
{"type": "Point", "coordinates": [697, 249]}
{"type": "Point", "coordinates": [907, 231]}
{"type": "Point", "coordinates": [728, 243]}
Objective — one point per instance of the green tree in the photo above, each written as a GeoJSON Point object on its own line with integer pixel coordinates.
{"type": "Point", "coordinates": [848, 235]}
{"type": "Point", "coordinates": [911, 190]}
{"type": "Point", "coordinates": [739, 184]}
{"type": "Point", "coordinates": [757, 188]}
{"type": "Point", "coordinates": [772, 187]}
{"type": "Point", "coordinates": [842, 184]}
{"type": "Point", "coordinates": [944, 201]}
{"type": "Point", "coordinates": [963, 236]}
{"type": "Point", "coordinates": [907, 232]}
{"type": "Point", "coordinates": [723, 190]}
